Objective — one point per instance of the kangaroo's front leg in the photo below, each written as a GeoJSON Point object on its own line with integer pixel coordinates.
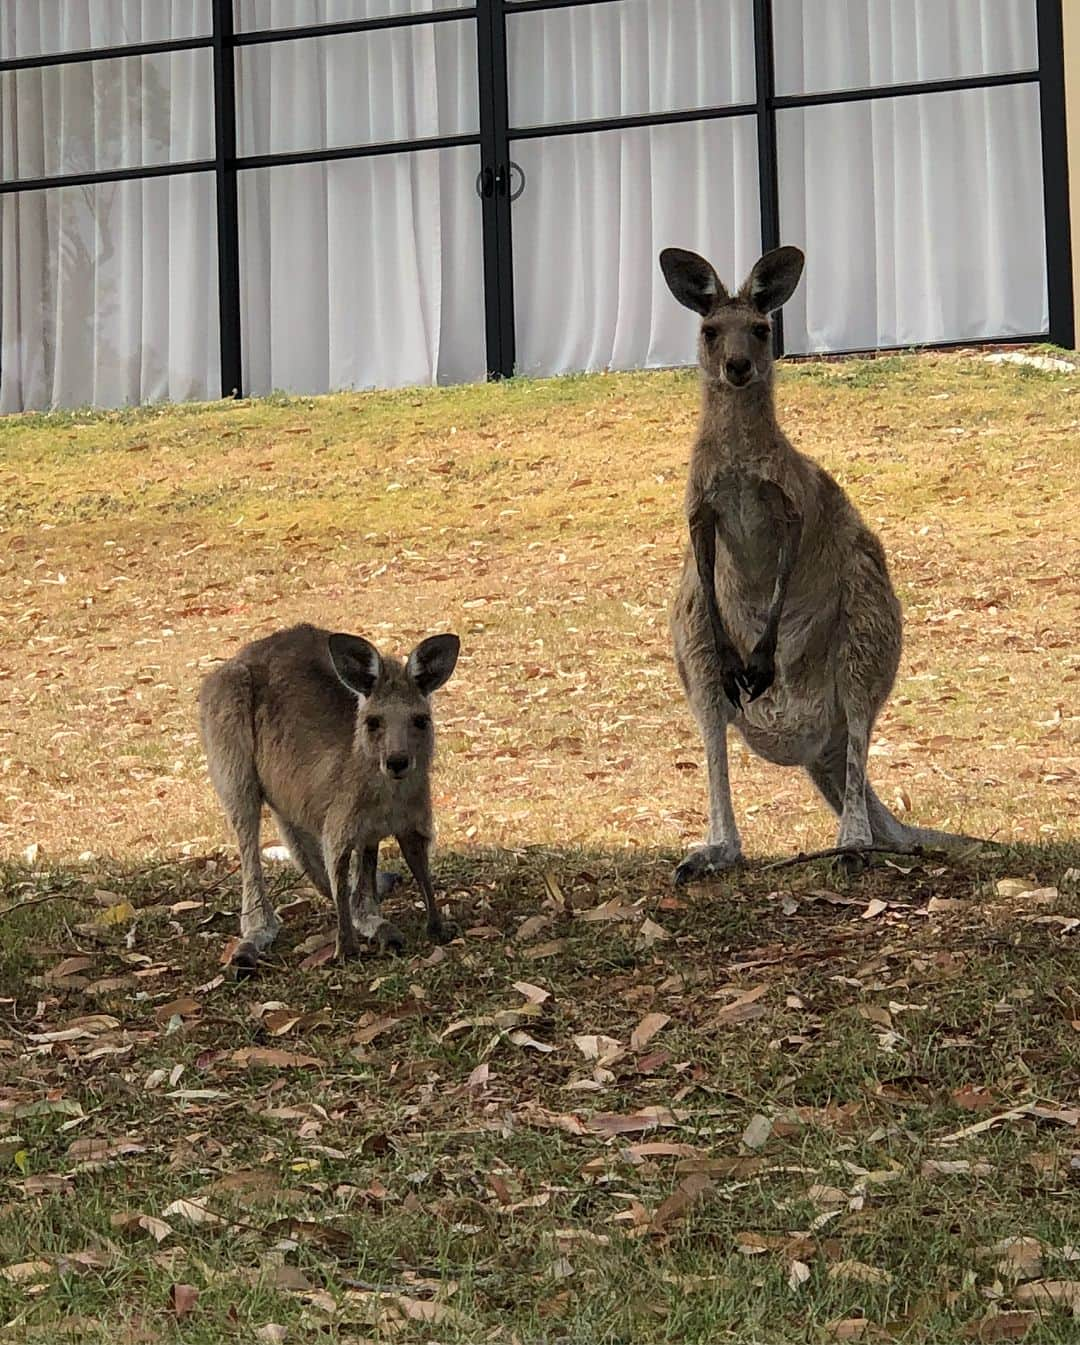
{"type": "Point", "coordinates": [337, 867]}
{"type": "Point", "coordinates": [760, 670]}
{"type": "Point", "coordinates": [415, 847]}
{"type": "Point", "coordinates": [366, 918]}
{"type": "Point", "coordinates": [703, 539]}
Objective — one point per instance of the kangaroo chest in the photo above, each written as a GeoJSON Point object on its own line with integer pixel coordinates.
{"type": "Point", "coordinates": [748, 531]}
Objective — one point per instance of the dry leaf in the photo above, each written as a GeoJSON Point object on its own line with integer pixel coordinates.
{"type": "Point", "coordinates": [600, 1048]}
{"type": "Point", "coordinates": [272, 1057]}
{"type": "Point", "coordinates": [680, 1200]}
{"type": "Point", "coordinates": [1000, 1326]}
{"type": "Point", "coordinates": [521, 1038]}
{"type": "Point", "coordinates": [123, 913]}
{"type": "Point", "coordinates": [798, 1274]}
{"type": "Point", "coordinates": [649, 934]}
{"type": "Point", "coordinates": [186, 1008]}
{"type": "Point", "coordinates": [23, 1272]}
{"type": "Point", "coordinates": [649, 1026]}
{"type": "Point", "coordinates": [743, 1009]}
{"type": "Point", "coordinates": [272, 1333]}
{"type": "Point", "coordinates": [952, 1167]}
{"type": "Point", "coordinates": [1017, 1257]}
{"type": "Point", "coordinates": [534, 994]}
{"type": "Point", "coordinates": [757, 1131]}
{"type": "Point", "coordinates": [1059, 1293]}
{"type": "Point", "coordinates": [648, 1118]}
{"type": "Point", "coordinates": [130, 1221]}
{"type": "Point", "coordinates": [860, 1272]}
{"type": "Point", "coordinates": [195, 1212]}
{"type": "Point", "coordinates": [182, 1299]}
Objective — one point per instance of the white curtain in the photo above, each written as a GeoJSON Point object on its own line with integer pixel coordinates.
{"type": "Point", "coordinates": [597, 208]}
{"type": "Point", "coordinates": [108, 293]}
{"type": "Point", "coordinates": [361, 272]}
{"type": "Point", "coordinates": [922, 216]}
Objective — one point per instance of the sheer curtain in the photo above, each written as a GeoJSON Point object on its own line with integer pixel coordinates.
{"type": "Point", "coordinates": [598, 207]}
{"type": "Point", "coordinates": [922, 216]}
{"type": "Point", "coordinates": [108, 293]}
{"type": "Point", "coordinates": [362, 272]}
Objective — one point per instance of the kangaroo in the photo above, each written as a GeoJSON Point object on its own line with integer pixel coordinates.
{"type": "Point", "coordinates": [338, 740]}
{"type": "Point", "coordinates": [785, 598]}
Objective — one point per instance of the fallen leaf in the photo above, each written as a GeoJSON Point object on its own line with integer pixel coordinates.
{"type": "Point", "coordinates": [595, 1047]}
{"type": "Point", "coordinates": [272, 1333]}
{"type": "Point", "coordinates": [1056, 1293]}
{"type": "Point", "coordinates": [185, 1008]}
{"type": "Point", "coordinates": [743, 1009]}
{"type": "Point", "coordinates": [680, 1200]}
{"type": "Point", "coordinates": [123, 913]}
{"type": "Point", "coordinates": [648, 1118]}
{"type": "Point", "coordinates": [23, 1272]}
{"type": "Point", "coordinates": [757, 1131]}
{"type": "Point", "coordinates": [798, 1274]}
{"type": "Point", "coordinates": [534, 994]}
{"type": "Point", "coordinates": [1018, 1258]}
{"type": "Point", "coordinates": [130, 1221]}
{"type": "Point", "coordinates": [1000, 1326]}
{"type": "Point", "coordinates": [974, 1098]}
{"type": "Point", "coordinates": [953, 1167]}
{"type": "Point", "coordinates": [874, 908]}
{"type": "Point", "coordinates": [71, 966]}
{"type": "Point", "coordinates": [860, 1272]}
{"type": "Point", "coordinates": [521, 1038]}
{"type": "Point", "coordinates": [537, 951]}
{"type": "Point", "coordinates": [194, 1212]}
{"type": "Point", "coordinates": [650, 933]}
{"type": "Point", "coordinates": [182, 1299]}
{"type": "Point", "coordinates": [272, 1057]}
{"type": "Point", "coordinates": [649, 1026]}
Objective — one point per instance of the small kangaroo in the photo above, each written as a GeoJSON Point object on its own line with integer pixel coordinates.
{"type": "Point", "coordinates": [785, 597]}
{"type": "Point", "coordinates": [338, 740]}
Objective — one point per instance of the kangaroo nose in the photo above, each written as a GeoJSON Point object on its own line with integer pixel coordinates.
{"type": "Point", "coordinates": [738, 370]}
{"type": "Point", "coordinates": [397, 763]}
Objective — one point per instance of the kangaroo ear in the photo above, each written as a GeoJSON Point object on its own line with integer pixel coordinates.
{"type": "Point", "coordinates": [356, 661]}
{"type": "Point", "coordinates": [432, 661]}
{"type": "Point", "coordinates": [772, 281]}
{"type": "Point", "coordinates": [692, 280]}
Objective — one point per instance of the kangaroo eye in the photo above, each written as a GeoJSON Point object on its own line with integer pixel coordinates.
{"type": "Point", "coordinates": [373, 723]}
{"type": "Point", "coordinates": [709, 336]}
{"type": "Point", "coordinates": [421, 722]}
{"type": "Point", "coordinates": [762, 330]}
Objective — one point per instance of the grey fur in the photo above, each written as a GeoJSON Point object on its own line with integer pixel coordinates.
{"type": "Point", "coordinates": [785, 622]}
{"type": "Point", "coordinates": [338, 741]}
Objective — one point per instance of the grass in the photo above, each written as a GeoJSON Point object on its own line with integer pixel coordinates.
{"type": "Point", "coordinates": [411, 1149]}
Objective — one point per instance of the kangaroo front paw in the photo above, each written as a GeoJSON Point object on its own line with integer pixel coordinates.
{"type": "Point", "coordinates": [760, 671]}
{"type": "Point", "coordinates": [706, 860]}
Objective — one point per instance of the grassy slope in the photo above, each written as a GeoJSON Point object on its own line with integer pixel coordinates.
{"type": "Point", "coordinates": [542, 521]}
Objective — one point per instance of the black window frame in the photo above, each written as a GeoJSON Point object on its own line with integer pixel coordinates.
{"type": "Point", "coordinates": [495, 138]}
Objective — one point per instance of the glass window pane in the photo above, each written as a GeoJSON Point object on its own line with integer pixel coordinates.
{"type": "Point", "coordinates": [596, 211]}
{"type": "Point", "coordinates": [255, 15]}
{"type": "Point", "coordinates": [922, 219]}
{"type": "Point", "coordinates": [108, 294]}
{"type": "Point", "coordinates": [855, 44]}
{"type": "Point", "coordinates": [101, 115]}
{"type": "Point", "coordinates": [389, 249]}
{"type": "Point", "coordinates": [627, 58]}
{"type": "Point", "coordinates": [47, 27]}
{"type": "Point", "coordinates": [358, 88]}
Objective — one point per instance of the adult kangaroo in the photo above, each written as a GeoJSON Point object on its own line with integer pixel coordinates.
{"type": "Point", "coordinates": [785, 622]}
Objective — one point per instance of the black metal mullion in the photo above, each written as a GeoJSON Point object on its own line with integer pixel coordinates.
{"type": "Point", "coordinates": [228, 225]}
{"type": "Point", "coordinates": [105, 53]}
{"type": "Point", "coordinates": [768, 170]}
{"type": "Point", "coordinates": [182, 166]}
{"type": "Point", "coordinates": [495, 188]}
{"type": "Point", "coordinates": [1055, 165]}
{"type": "Point", "coordinates": [630, 120]}
{"type": "Point", "coordinates": [286, 158]}
{"type": "Point", "coordinates": [258, 36]}
{"type": "Point", "coordinates": [913, 88]}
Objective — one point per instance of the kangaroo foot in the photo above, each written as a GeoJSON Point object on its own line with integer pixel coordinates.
{"type": "Point", "coordinates": [380, 932]}
{"type": "Point", "coordinates": [441, 930]}
{"type": "Point", "coordinates": [703, 861]}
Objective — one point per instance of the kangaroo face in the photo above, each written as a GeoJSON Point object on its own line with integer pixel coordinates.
{"type": "Point", "coordinates": [394, 734]}
{"type": "Point", "coordinates": [394, 727]}
{"type": "Point", "coordinates": [735, 345]}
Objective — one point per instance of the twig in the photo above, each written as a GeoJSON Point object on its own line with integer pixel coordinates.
{"type": "Point", "coordinates": [404, 1290]}
{"type": "Point", "coordinates": [916, 852]}
{"type": "Point", "coordinates": [36, 901]}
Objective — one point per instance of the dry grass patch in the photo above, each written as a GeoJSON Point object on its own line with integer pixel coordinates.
{"type": "Point", "coordinates": [542, 521]}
